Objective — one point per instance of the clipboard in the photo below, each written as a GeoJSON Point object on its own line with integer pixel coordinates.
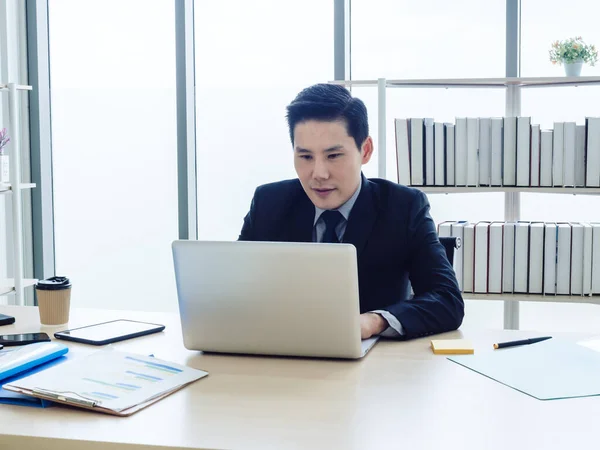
{"type": "Point", "coordinates": [71, 400]}
{"type": "Point", "coordinates": [15, 398]}
{"type": "Point", "coordinates": [109, 382]}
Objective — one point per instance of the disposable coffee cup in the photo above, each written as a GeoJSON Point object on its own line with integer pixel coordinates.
{"type": "Point", "coordinates": [54, 300]}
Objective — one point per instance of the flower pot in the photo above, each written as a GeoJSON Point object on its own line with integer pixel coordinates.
{"type": "Point", "coordinates": [573, 69]}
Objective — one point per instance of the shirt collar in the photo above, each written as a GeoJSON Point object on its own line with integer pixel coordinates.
{"type": "Point", "coordinates": [344, 209]}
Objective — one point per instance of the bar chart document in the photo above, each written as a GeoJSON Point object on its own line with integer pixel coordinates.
{"type": "Point", "coordinates": [109, 381]}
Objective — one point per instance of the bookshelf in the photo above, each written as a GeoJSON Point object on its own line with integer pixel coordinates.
{"type": "Point", "coordinates": [17, 284]}
{"type": "Point", "coordinates": [513, 87]}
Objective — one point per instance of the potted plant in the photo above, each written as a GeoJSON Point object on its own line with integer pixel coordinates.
{"type": "Point", "coordinates": [573, 53]}
{"type": "Point", "coordinates": [4, 139]}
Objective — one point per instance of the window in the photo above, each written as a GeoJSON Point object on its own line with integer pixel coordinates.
{"type": "Point", "coordinates": [248, 69]}
{"type": "Point", "coordinates": [436, 39]}
{"type": "Point", "coordinates": [114, 150]}
{"type": "Point", "coordinates": [432, 40]}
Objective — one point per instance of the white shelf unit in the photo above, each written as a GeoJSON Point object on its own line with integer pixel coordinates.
{"type": "Point", "coordinates": [536, 298]}
{"type": "Point", "coordinates": [7, 285]}
{"type": "Point", "coordinates": [7, 187]}
{"type": "Point", "coordinates": [18, 283]}
{"type": "Point", "coordinates": [475, 82]}
{"type": "Point", "coordinates": [506, 189]}
{"type": "Point", "coordinates": [513, 87]}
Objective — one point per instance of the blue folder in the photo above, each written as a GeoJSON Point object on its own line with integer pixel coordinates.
{"type": "Point", "coordinates": [31, 359]}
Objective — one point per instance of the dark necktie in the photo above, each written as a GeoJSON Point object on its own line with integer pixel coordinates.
{"type": "Point", "coordinates": [332, 220]}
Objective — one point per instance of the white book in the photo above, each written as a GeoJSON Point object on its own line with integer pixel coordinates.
{"type": "Point", "coordinates": [468, 257]}
{"type": "Point", "coordinates": [402, 151]}
{"type": "Point", "coordinates": [457, 231]}
{"type": "Point", "coordinates": [485, 151]}
{"type": "Point", "coordinates": [496, 240]}
{"type": "Point", "coordinates": [563, 259]}
{"type": "Point", "coordinates": [497, 142]}
{"type": "Point", "coordinates": [550, 244]}
{"type": "Point", "coordinates": [592, 152]}
{"type": "Point", "coordinates": [509, 171]}
{"type": "Point", "coordinates": [508, 258]}
{"type": "Point", "coordinates": [546, 141]}
{"type": "Point", "coordinates": [576, 259]}
{"type": "Point", "coordinates": [449, 141]}
{"type": "Point", "coordinates": [417, 139]}
{"type": "Point", "coordinates": [481, 257]}
{"type": "Point", "coordinates": [535, 155]}
{"type": "Point", "coordinates": [439, 154]}
{"type": "Point", "coordinates": [587, 258]}
{"type": "Point", "coordinates": [558, 168]}
{"type": "Point", "coordinates": [569, 144]}
{"type": "Point", "coordinates": [445, 228]}
{"type": "Point", "coordinates": [460, 151]}
{"type": "Point", "coordinates": [580, 156]}
{"type": "Point", "coordinates": [429, 153]}
{"type": "Point", "coordinates": [521, 257]}
{"type": "Point", "coordinates": [523, 151]}
{"type": "Point", "coordinates": [472, 151]}
{"type": "Point", "coordinates": [536, 258]}
{"type": "Point", "coordinates": [595, 258]}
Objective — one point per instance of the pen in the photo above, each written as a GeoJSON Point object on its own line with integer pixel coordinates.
{"type": "Point", "coordinates": [521, 342]}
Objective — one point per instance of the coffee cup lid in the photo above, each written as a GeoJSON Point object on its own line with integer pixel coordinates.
{"type": "Point", "coordinates": [53, 284]}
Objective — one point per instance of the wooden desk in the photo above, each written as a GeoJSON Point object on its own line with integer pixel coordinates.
{"type": "Point", "coordinates": [399, 396]}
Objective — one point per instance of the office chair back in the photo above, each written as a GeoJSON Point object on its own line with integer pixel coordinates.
{"type": "Point", "coordinates": [450, 243]}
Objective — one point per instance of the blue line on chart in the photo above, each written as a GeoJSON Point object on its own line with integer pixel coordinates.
{"type": "Point", "coordinates": [144, 375]}
{"type": "Point", "coordinates": [128, 385]}
{"type": "Point", "coordinates": [102, 394]}
{"type": "Point", "coordinates": [163, 366]}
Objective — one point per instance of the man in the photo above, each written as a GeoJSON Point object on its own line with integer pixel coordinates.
{"type": "Point", "coordinates": [389, 224]}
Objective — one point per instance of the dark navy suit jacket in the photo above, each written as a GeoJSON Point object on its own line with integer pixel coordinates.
{"type": "Point", "coordinates": [396, 242]}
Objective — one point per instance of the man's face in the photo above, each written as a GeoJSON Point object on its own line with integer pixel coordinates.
{"type": "Point", "coordinates": [327, 161]}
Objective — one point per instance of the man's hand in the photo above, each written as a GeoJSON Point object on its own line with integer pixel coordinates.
{"type": "Point", "coordinates": [371, 324]}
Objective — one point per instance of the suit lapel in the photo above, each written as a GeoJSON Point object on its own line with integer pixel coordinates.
{"type": "Point", "coordinates": [301, 217]}
{"type": "Point", "coordinates": [362, 217]}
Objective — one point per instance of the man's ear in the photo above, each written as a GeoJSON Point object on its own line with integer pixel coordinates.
{"type": "Point", "coordinates": [367, 150]}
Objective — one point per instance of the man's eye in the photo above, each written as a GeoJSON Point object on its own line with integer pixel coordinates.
{"type": "Point", "coordinates": [335, 155]}
{"type": "Point", "coordinates": [307, 157]}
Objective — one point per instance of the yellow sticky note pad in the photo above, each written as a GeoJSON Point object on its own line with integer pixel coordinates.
{"type": "Point", "coordinates": [452, 347]}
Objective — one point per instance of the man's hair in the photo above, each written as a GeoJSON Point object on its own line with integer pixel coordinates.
{"type": "Point", "coordinates": [329, 103]}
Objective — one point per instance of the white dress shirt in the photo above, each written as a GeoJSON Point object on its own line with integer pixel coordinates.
{"type": "Point", "coordinates": [395, 327]}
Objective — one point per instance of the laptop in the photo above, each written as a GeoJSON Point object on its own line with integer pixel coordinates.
{"type": "Point", "coordinates": [269, 298]}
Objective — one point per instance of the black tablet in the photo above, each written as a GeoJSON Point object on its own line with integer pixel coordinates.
{"type": "Point", "coordinates": [108, 332]}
